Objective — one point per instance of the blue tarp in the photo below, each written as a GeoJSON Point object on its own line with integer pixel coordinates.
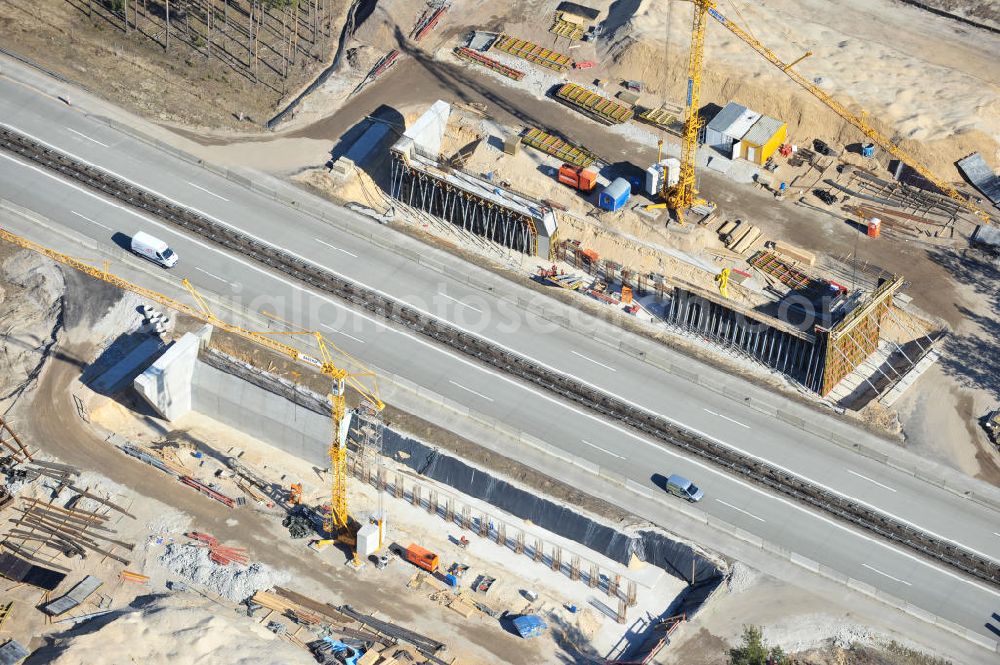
{"type": "Point", "coordinates": [338, 647]}
{"type": "Point", "coordinates": [529, 625]}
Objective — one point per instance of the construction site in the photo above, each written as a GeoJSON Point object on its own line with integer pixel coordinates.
{"type": "Point", "coordinates": [240, 475]}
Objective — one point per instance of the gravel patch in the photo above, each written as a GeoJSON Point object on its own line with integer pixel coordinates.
{"type": "Point", "coordinates": [233, 582]}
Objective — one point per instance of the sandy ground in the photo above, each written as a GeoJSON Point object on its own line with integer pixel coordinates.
{"type": "Point", "coordinates": [816, 630]}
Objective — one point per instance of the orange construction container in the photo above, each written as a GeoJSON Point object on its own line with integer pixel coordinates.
{"type": "Point", "coordinates": [591, 255]}
{"type": "Point", "coordinates": [577, 177]}
{"type": "Point", "coordinates": [422, 558]}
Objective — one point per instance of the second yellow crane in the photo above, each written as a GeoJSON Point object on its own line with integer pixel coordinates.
{"type": "Point", "coordinates": [684, 194]}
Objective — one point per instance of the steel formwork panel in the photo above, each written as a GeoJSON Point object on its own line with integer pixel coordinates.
{"type": "Point", "coordinates": [780, 350]}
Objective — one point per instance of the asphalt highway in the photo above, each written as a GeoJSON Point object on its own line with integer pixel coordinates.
{"type": "Point", "coordinates": [77, 212]}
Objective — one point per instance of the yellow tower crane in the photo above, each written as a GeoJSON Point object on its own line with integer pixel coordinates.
{"type": "Point", "coordinates": [337, 522]}
{"type": "Point", "coordinates": [684, 194]}
{"type": "Point", "coordinates": [341, 378]}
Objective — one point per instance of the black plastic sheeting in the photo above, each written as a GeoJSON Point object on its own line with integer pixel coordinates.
{"type": "Point", "coordinates": [17, 569]}
{"type": "Point", "coordinates": [678, 559]}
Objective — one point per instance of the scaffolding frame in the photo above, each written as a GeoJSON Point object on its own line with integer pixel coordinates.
{"type": "Point", "coordinates": [483, 217]}
{"type": "Point", "coordinates": [855, 338]}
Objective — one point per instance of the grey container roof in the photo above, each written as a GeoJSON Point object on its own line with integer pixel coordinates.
{"type": "Point", "coordinates": [734, 120]}
{"type": "Point", "coordinates": [617, 188]}
{"type": "Point", "coordinates": [763, 130]}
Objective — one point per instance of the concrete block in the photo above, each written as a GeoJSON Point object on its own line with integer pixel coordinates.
{"type": "Point", "coordinates": [804, 562]}
{"type": "Point", "coordinates": [862, 587]}
{"type": "Point", "coordinates": [683, 373]}
{"type": "Point", "coordinates": [166, 384]}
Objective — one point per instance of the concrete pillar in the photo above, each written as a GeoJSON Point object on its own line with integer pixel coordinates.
{"type": "Point", "coordinates": [166, 385]}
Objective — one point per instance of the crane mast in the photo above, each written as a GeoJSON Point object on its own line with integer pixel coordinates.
{"type": "Point", "coordinates": [684, 194]}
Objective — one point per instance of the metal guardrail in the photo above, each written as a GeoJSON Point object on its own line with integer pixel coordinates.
{"type": "Point", "coordinates": [572, 390]}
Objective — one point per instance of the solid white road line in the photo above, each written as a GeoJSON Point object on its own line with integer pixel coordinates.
{"type": "Point", "coordinates": [855, 473]}
{"type": "Point", "coordinates": [92, 221]}
{"type": "Point", "coordinates": [341, 332]}
{"type": "Point", "coordinates": [719, 415]}
{"type": "Point", "coordinates": [215, 276]}
{"type": "Point", "coordinates": [477, 394]}
{"type": "Point", "coordinates": [603, 450]}
{"type": "Point", "coordinates": [207, 191]}
{"type": "Point", "coordinates": [895, 579]}
{"type": "Point", "coordinates": [445, 295]}
{"type": "Point", "coordinates": [576, 353]}
{"type": "Point", "coordinates": [761, 519]}
{"type": "Point", "coordinates": [87, 137]}
{"type": "Point", "coordinates": [336, 248]}
{"type": "Point", "coordinates": [503, 377]}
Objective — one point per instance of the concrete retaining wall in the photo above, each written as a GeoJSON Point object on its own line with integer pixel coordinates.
{"type": "Point", "coordinates": [297, 421]}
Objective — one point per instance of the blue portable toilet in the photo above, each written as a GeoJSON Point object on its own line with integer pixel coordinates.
{"type": "Point", "coordinates": [530, 625]}
{"type": "Point", "coordinates": [868, 150]}
{"type": "Point", "coordinates": [451, 580]}
{"type": "Point", "coordinates": [615, 196]}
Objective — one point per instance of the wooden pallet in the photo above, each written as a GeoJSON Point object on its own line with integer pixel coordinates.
{"type": "Point", "coordinates": [555, 146]}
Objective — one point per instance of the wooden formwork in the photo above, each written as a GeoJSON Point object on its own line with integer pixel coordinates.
{"type": "Point", "coordinates": [567, 29]}
{"type": "Point", "coordinates": [855, 338]}
{"type": "Point", "coordinates": [533, 53]}
{"type": "Point", "coordinates": [592, 104]}
{"type": "Point", "coordinates": [555, 146]}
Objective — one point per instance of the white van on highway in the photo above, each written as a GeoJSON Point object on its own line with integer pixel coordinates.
{"type": "Point", "coordinates": [153, 249]}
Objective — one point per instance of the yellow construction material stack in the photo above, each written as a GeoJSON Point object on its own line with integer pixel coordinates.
{"type": "Point", "coordinates": [533, 52]}
{"type": "Point", "coordinates": [590, 103]}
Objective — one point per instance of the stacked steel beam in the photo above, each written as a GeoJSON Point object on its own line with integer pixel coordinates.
{"type": "Point", "coordinates": [489, 63]}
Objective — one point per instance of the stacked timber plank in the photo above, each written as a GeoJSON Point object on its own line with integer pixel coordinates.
{"type": "Point", "coordinates": [794, 253]}
{"type": "Point", "coordinates": [533, 53]}
{"type": "Point", "coordinates": [589, 103]}
{"type": "Point", "coordinates": [739, 236]}
{"type": "Point", "coordinates": [489, 63]}
{"type": "Point", "coordinates": [555, 146]}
